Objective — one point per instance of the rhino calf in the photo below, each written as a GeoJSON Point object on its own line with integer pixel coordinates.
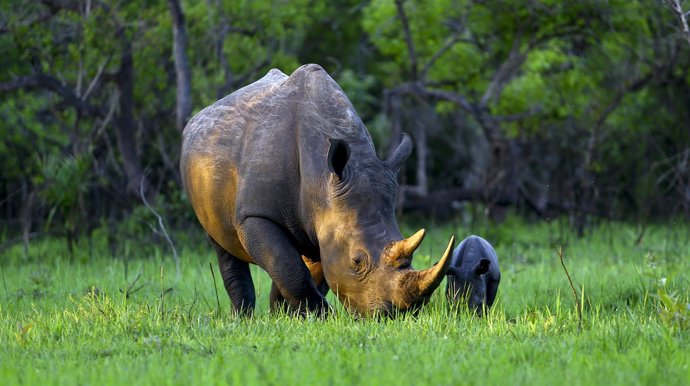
{"type": "Point", "coordinates": [473, 274]}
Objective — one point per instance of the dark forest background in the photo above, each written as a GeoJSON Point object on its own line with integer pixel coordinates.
{"type": "Point", "coordinates": [575, 109]}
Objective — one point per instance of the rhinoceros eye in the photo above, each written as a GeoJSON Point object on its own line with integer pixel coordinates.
{"type": "Point", "coordinates": [359, 261]}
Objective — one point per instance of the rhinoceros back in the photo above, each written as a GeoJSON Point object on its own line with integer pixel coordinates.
{"type": "Point", "coordinates": [471, 250]}
{"type": "Point", "coordinates": [252, 152]}
{"type": "Point", "coordinates": [222, 124]}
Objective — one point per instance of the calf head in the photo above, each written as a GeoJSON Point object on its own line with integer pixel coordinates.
{"type": "Point", "coordinates": [366, 261]}
{"type": "Point", "coordinates": [468, 285]}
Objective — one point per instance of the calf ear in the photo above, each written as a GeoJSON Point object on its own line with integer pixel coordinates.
{"type": "Point", "coordinates": [482, 267]}
{"type": "Point", "coordinates": [338, 155]}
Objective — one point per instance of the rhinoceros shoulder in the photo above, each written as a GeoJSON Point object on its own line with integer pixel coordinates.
{"type": "Point", "coordinates": [324, 106]}
{"type": "Point", "coordinates": [230, 114]}
{"type": "Point", "coordinates": [257, 90]}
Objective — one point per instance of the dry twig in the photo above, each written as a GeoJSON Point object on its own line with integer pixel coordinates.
{"type": "Point", "coordinates": [161, 226]}
{"type": "Point", "coordinates": [210, 265]}
{"type": "Point", "coordinates": [559, 252]}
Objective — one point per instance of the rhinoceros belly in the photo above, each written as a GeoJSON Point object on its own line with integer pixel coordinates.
{"type": "Point", "coordinates": [211, 187]}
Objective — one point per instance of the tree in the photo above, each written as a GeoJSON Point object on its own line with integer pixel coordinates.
{"type": "Point", "coordinates": [533, 79]}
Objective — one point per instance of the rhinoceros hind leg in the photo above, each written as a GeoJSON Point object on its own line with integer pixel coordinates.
{"type": "Point", "coordinates": [237, 280]}
{"type": "Point", "coordinates": [271, 249]}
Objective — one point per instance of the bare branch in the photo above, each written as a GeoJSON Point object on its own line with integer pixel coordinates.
{"type": "Point", "coordinates": [559, 252]}
{"type": "Point", "coordinates": [519, 116]}
{"type": "Point", "coordinates": [458, 28]}
{"type": "Point", "coordinates": [215, 287]}
{"type": "Point", "coordinates": [628, 87]}
{"type": "Point", "coordinates": [53, 84]}
{"type": "Point", "coordinates": [682, 17]}
{"type": "Point", "coordinates": [561, 32]}
{"type": "Point", "coordinates": [108, 115]}
{"type": "Point", "coordinates": [19, 83]}
{"type": "Point", "coordinates": [461, 100]}
{"type": "Point", "coordinates": [95, 79]}
{"type": "Point", "coordinates": [408, 39]}
{"type": "Point", "coordinates": [505, 72]}
{"type": "Point", "coordinates": [449, 43]}
{"type": "Point", "coordinates": [161, 226]}
{"type": "Point", "coordinates": [420, 89]}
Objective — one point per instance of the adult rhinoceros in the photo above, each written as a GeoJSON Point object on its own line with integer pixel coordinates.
{"type": "Point", "coordinates": [284, 168]}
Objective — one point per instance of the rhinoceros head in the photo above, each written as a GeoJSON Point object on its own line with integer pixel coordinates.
{"type": "Point", "coordinates": [366, 261]}
{"type": "Point", "coordinates": [469, 285]}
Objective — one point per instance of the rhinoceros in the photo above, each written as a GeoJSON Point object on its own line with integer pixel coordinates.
{"type": "Point", "coordinates": [283, 174]}
{"type": "Point", "coordinates": [473, 275]}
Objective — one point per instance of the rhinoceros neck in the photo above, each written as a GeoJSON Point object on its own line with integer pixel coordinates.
{"type": "Point", "coordinates": [320, 111]}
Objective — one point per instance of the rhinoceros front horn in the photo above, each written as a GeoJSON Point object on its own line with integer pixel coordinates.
{"type": "Point", "coordinates": [424, 283]}
{"type": "Point", "coordinates": [400, 252]}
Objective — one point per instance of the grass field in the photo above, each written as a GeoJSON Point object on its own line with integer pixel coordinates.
{"type": "Point", "coordinates": [68, 321]}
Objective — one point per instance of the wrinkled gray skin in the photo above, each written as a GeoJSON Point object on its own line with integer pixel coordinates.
{"type": "Point", "coordinates": [473, 274]}
{"type": "Point", "coordinates": [283, 174]}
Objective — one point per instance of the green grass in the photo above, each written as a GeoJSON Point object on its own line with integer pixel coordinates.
{"type": "Point", "coordinates": [68, 322]}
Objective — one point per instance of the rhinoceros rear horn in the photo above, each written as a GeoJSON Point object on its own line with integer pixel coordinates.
{"type": "Point", "coordinates": [424, 283]}
{"type": "Point", "coordinates": [400, 153]}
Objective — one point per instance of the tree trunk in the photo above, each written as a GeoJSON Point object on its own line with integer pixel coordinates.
{"type": "Point", "coordinates": [184, 75]}
{"type": "Point", "coordinates": [392, 106]}
{"type": "Point", "coordinates": [421, 149]}
{"type": "Point", "coordinates": [124, 123]}
{"type": "Point", "coordinates": [27, 209]}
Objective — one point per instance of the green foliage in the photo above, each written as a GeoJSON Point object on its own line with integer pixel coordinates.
{"type": "Point", "coordinates": [611, 72]}
{"type": "Point", "coordinates": [62, 183]}
{"type": "Point", "coordinates": [64, 180]}
{"type": "Point", "coordinates": [673, 310]}
{"type": "Point", "coordinates": [673, 305]}
{"type": "Point", "coordinates": [587, 89]}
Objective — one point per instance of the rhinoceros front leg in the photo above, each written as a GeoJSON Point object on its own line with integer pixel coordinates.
{"type": "Point", "coordinates": [237, 280]}
{"type": "Point", "coordinates": [277, 299]}
{"type": "Point", "coordinates": [272, 250]}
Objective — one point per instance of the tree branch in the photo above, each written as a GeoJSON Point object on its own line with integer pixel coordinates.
{"type": "Point", "coordinates": [682, 17]}
{"type": "Point", "coordinates": [96, 78]}
{"type": "Point", "coordinates": [519, 116]}
{"type": "Point", "coordinates": [505, 72]}
{"type": "Point", "coordinates": [459, 99]}
{"type": "Point", "coordinates": [161, 226]}
{"type": "Point", "coordinates": [408, 39]}
{"type": "Point", "coordinates": [53, 84]}
{"type": "Point", "coordinates": [449, 43]}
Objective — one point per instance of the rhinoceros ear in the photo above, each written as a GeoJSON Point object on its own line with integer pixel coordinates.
{"type": "Point", "coordinates": [482, 267]}
{"type": "Point", "coordinates": [338, 155]}
{"type": "Point", "coordinates": [400, 153]}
